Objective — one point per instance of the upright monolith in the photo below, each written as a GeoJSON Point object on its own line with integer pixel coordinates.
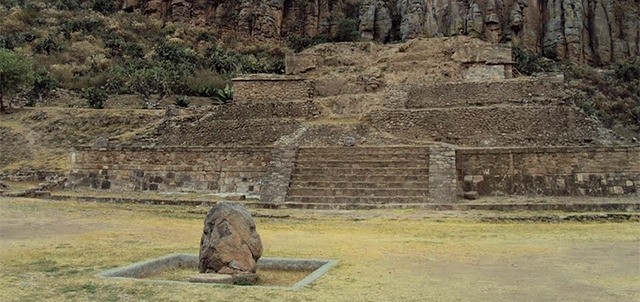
{"type": "Point", "coordinates": [230, 243]}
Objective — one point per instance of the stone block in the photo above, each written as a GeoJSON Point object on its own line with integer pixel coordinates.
{"type": "Point", "coordinates": [471, 195]}
{"type": "Point", "coordinates": [616, 190]}
{"type": "Point", "coordinates": [212, 278]}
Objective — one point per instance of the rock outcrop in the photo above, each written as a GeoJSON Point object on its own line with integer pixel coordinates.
{"type": "Point", "coordinates": [230, 243]}
{"type": "Point", "coordinates": [592, 31]}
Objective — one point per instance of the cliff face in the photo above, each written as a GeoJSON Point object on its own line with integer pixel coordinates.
{"type": "Point", "coordinates": [592, 31]}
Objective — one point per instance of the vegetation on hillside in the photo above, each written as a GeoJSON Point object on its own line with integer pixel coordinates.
{"type": "Point", "coordinates": [613, 96]}
{"type": "Point", "coordinates": [15, 74]}
{"type": "Point", "coordinates": [610, 95]}
{"type": "Point", "coordinates": [79, 45]}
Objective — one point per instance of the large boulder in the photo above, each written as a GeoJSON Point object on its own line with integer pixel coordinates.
{"type": "Point", "coordinates": [230, 243]}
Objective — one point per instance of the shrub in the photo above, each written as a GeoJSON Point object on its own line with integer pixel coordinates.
{"type": "Point", "coordinates": [205, 83]}
{"type": "Point", "coordinates": [222, 61]}
{"type": "Point", "coordinates": [67, 4]}
{"type": "Point", "coordinates": [11, 3]}
{"type": "Point", "coordinates": [7, 42]}
{"type": "Point", "coordinates": [95, 96]}
{"type": "Point", "coordinates": [527, 62]}
{"type": "Point", "coordinates": [301, 42]}
{"type": "Point", "coordinates": [628, 71]}
{"type": "Point", "coordinates": [27, 36]}
{"type": "Point", "coordinates": [47, 46]}
{"type": "Point", "coordinates": [15, 74]}
{"type": "Point", "coordinates": [88, 25]}
{"type": "Point", "coordinates": [207, 36]}
{"type": "Point", "coordinates": [134, 50]}
{"type": "Point", "coordinates": [182, 101]}
{"type": "Point", "coordinates": [176, 54]}
{"type": "Point", "coordinates": [347, 30]}
{"type": "Point", "coordinates": [42, 86]}
{"type": "Point", "coordinates": [262, 61]}
{"type": "Point", "coordinates": [104, 7]}
{"type": "Point", "coordinates": [29, 15]}
{"type": "Point", "coordinates": [116, 46]}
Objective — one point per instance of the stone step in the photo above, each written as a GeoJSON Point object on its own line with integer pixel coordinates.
{"type": "Point", "coordinates": [357, 192]}
{"type": "Point", "coordinates": [321, 163]}
{"type": "Point", "coordinates": [362, 151]}
{"type": "Point", "coordinates": [369, 157]}
{"type": "Point", "coordinates": [358, 199]}
{"type": "Point", "coordinates": [359, 178]}
{"type": "Point", "coordinates": [362, 171]}
{"type": "Point", "coordinates": [361, 184]}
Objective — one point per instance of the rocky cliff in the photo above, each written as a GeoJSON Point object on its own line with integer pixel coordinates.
{"type": "Point", "coordinates": [592, 31]}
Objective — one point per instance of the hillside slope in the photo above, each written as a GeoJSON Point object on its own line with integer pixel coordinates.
{"type": "Point", "coordinates": [591, 31]}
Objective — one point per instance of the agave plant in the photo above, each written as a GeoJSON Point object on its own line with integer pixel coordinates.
{"type": "Point", "coordinates": [224, 96]}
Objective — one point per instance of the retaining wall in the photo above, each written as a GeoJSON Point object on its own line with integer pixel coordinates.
{"type": "Point", "coordinates": [260, 88]}
{"type": "Point", "coordinates": [492, 125]}
{"type": "Point", "coordinates": [517, 91]}
{"type": "Point", "coordinates": [559, 171]}
{"type": "Point", "coordinates": [216, 169]}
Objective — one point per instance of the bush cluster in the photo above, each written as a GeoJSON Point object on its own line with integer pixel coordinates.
{"type": "Point", "coordinates": [611, 96]}
{"type": "Point", "coordinates": [527, 62]}
{"type": "Point", "coordinates": [79, 48]}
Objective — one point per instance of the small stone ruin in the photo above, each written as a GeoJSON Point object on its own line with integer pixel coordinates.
{"type": "Point", "coordinates": [230, 246]}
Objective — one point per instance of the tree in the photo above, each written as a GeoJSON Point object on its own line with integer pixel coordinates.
{"type": "Point", "coordinates": [151, 80]}
{"type": "Point", "coordinates": [43, 84]}
{"type": "Point", "coordinates": [15, 74]}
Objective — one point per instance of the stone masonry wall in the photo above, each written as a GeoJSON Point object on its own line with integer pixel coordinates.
{"type": "Point", "coordinates": [277, 178]}
{"type": "Point", "coordinates": [563, 171]}
{"type": "Point", "coordinates": [485, 93]}
{"type": "Point", "coordinates": [442, 173]}
{"type": "Point", "coordinates": [271, 88]}
{"type": "Point", "coordinates": [276, 181]}
{"type": "Point", "coordinates": [216, 169]}
{"type": "Point", "coordinates": [492, 125]}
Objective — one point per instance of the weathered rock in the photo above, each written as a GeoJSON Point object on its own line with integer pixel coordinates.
{"type": "Point", "coordinates": [3, 187]}
{"type": "Point", "coordinates": [230, 243]}
{"type": "Point", "coordinates": [212, 278]}
{"type": "Point", "coordinates": [580, 30]}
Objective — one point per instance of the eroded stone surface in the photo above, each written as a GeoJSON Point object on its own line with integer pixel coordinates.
{"type": "Point", "coordinates": [230, 243]}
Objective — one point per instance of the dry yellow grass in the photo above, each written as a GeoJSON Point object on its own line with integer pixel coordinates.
{"type": "Point", "coordinates": [52, 250]}
{"type": "Point", "coordinates": [40, 138]}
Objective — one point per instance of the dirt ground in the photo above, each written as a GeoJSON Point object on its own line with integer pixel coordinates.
{"type": "Point", "coordinates": [51, 251]}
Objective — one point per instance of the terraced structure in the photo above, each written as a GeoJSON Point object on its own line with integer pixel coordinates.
{"type": "Point", "coordinates": [431, 121]}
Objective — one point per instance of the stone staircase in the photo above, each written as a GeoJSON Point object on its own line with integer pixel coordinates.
{"type": "Point", "coordinates": [360, 175]}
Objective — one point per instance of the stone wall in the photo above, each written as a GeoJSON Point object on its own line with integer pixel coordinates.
{"type": "Point", "coordinates": [495, 125]}
{"type": "Point", "coordinates": [278, 175]}
{"type": "Point", "coordinates": [271, 110]}
{"type": "Point", "coordinates": [516, 91]}
{"type": "Point", "coordinates": [442, 173]}
{"type": "Point", "coordinates": [562, 171]}
{"type": "Point", "coordinates": [485, 62]}
{"type": "Point", "coordinates": [271, 88]}
{"type": "Point", "coordinates": [216, 169]}
{"type": "Point", "coordinates": [204, 130]}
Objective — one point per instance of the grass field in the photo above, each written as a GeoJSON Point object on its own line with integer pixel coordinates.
{"type": "Point", "coordinates": [51, 251]}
